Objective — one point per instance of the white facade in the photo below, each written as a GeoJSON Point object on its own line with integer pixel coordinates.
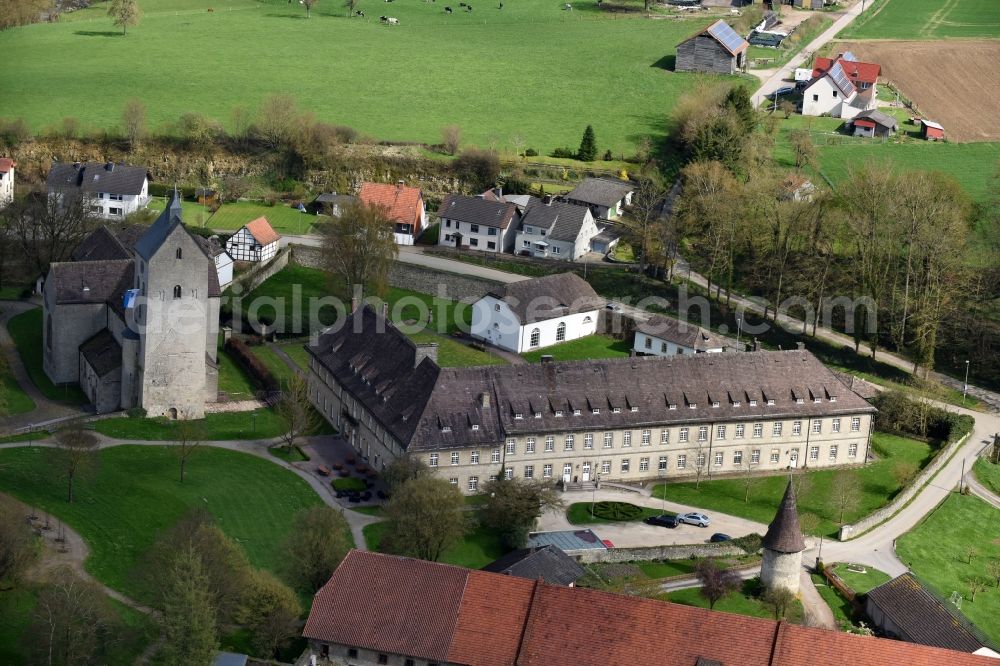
{"type": "Point", "coordinates": [6, 186]}
{"type": "Point", "coordinates": [113, 207]}
{"type": "Point", "coordinates": [476, 236]}
{"type": "Point", "coordinates": [494, 322]}
{"type": "Point", "coordinates": [224, 267]}
{"type": "Point", "coordinates": [538, 242]}
{"type": "Point", "coordinates": [823, 97]}
{"type": "Point", "coordinates": [652, 345]}
{"type": "Point", "coordinates": [242, 246]}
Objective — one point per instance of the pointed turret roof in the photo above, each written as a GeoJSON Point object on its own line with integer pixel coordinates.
{"type": "Point", "coordinates": [783, 534]}
{"type": "Point", "coordinates": [150, 242]}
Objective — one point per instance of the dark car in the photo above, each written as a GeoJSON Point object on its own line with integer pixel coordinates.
{"type": "Point", "coordinates": [663, 520]}
{"type": "Point", "coordinates": [719, 536]}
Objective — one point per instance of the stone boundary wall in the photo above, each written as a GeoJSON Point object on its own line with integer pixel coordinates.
{"type": "Point", "coordinates": [256, 275]}
{"type": "Point", "coordinates": [649, 553]}
{"type": "Point", "coordinates": [848, 532]}
{"type": "Point", "coordinates": [417, 278]}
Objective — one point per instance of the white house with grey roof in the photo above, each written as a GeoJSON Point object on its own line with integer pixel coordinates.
{"type": "Point", "coordinates": [666, 336]}
{"type": "Point", "coordinates": [531, 314]}
{"type": "Point", "coordinates": [134, 319]}
{"type": "Point", "coordinates": [477, 223]}
{"type": "Point", "coordinates": [111, 191]}
{"type": "Point", "coordinates": [556, 230]}
{"type": "Point", "coordinates": [606, 198]}
{"type": "Point", "coordinates": [7, 167]}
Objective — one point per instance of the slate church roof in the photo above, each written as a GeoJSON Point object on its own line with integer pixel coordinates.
{"type": "Point", "coordinates": [783, 534]}
{"type": "Point", "coordinates": [102, 352]}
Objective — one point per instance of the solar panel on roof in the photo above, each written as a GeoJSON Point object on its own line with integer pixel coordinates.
{"type": "Point", "coordinates": [840, 78]}
{"type": "Point", "coordinates": [726, 36]}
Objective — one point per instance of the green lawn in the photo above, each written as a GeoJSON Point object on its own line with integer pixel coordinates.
{"type": "Point", "coordinates": [666, 568]}
{"type": "Point", "coordinates": [26, 330]}
{"type": "Point", "coordinates": [579, 513]}
{"type": "Point", "coordinates": [860, 582]}
{"type": "Point", "coordinates": [133, 493]}
{"type": "Point", "coordinates": [926, 19]}
{"type": "Point", "coordinates": [841, 607]}
{"type": "Point", "coordinates": [297, 353]}
{"type": "Point", "coordinates": [354, 75]}
{"type": "Point", "coordinates": [454, 354]}
{"type": "Point", "coordinates": [479, 548]}
{"type": "Point", "coordinates": [231, 216]}
{"type": "Point", "coordinates": [233, 379]}
{"type": "Point", "coordinates": [258, 424]}
{"type": "Point", "coordinates": [295, 455]}
{"type": "Point", "coordinates": [935, 550]}
{"type": "Point", "coordinates": [592, 346]}
{"type": "Point", "coordinates": [348, 483]}
{"type": "Point", "coordinates": [25, 437]}
{"type": "Point", "coordinates": [744, 602]}
{"type": "Point", "coordinates": [281, 371]}
{"type": "Point", "coordinates": [13, 399]}
{"type": "Point", "coordinates": [878, 487]}
{"type": "Point", "coordinates": [988, 474]}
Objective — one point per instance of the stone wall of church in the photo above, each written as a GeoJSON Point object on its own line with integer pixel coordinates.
{"type": "Point", "coordinates": [72, 325]}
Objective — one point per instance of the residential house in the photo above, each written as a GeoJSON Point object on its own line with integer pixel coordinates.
{"type": "Point", "coordinates": [7, 167]}
{"type": "Point", "coordinates": [255, 241]}
{"type": "Point", "coordinates": [666, 336]}
{"type": "Point", "coordinates": [134, 319]}
{"type": "Point", "coordinates": [841, 87]}
{"type": "Point", "coordinates": [929, 130]}
{"type": "Point", "coordinates": [222, 259]}
{"type": "Point", "coordinates": [477, 223]}
{"type": "Point", "coordinates": [520, 200]}
{"type": "Point", "coordinates": [404, 206]}
{"type": "Point", "coordinates": [796, 187]}
{"type": "Point", "coordinates": [331, 203]}
{"type": "Point", "coordinates": [874, 123]}
{"type": "Point", "coordinates": [546, 563]}
{"type": "Point", "coordinates": [530, 314]}
{"type": "Point", "coordinates": [904, 609]}
{"type": "Point", "coordinates": [400, 611]}
{"type": "Point", "coordinates": [623, 419]}
{"type": "Point", "coordinates": [556, 230]}
{"type": "Point", "coordinates": [716, 49]}
{"type": "Point", "coordinates": [606, 198]}
{"type": "Point", "coordinates": [111, 191]}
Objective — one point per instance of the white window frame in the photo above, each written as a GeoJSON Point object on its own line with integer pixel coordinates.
{"type": "Point", "coordinates": [758, 430]}
{"type": "Point", "coordinates": [473, 484]}
{"type": "Point", "coordinates": [511, 446]}
{"type": "Point", "coordinates": [454, 457]}
{"type": "Point", "coordinates": [682, 461]}
{"type": "Point", "coordinates": [495, 456]}
{"type": "Point", "coordinates": [662, 464]}
{"type": "Point", "coordinates": [434, 460]}
{"type": "Point", "coordinates": [684, 435]}
{"type": "Point", "coordinates": [529, 445]}
{"type": "Point", "coordinates": [741, 430]}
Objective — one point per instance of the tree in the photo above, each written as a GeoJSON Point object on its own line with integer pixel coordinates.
{"type": "Point", "coordinates": [403, 469]}
{"type": "Point", "coordinates": [189, 617]}
{"type": "Point", "coordinates": [350, 5]}
{"type": "Point", "coordinates": [18, 545]}
{"type": "Point", "coordinates": [700, 462]}
{"type": "Point", "coordinates": [746, 466]}
{"type": "Point", "coordinates": [970, 553]}
{"type": "Point", "coordinates": [315, 546]}
{"type": "Point", "coordinates": [44, 231]}
{"type": "Point", "coordinates": [424, 518]}
{"type": "Point", "coordinates": [976, 585]}
{"type": "Point", "coordinates": [233, 187]}
{"type": "Point", "coordinates": [720, 137]}
{"type": "Point", "coordinates": [802, 148]}
{"type": "Point", "coordinates": [72, 622]}
{"type": "Point", "coordinates": [517, 142]}
{"type": "Point", "coordinates": [270, 612]}
{"type": "Point", "coordinates": [845, 492]}
{"type": "Point", "coordinates": [515, 504]}
{"type": "Point", "coordinates": [276, 120]}
{"type": "Point", "coordinates": [360, 246]}
{"type": "Point", "coordinates": [308, 4]}
{"type": "Point", "coordinates": [588, 146]}
{"type": "Point", "coordinates": [124, 13]}
{"type": "Point", "coordinates": [22, 12]}
{"type": "Point", "coordinates": [294, 408]}
{"type": "Point", "coordinates": [134, 122]}
{"type": "Point", "coordinates": [778, 600]}
{"type": "Point", "coordinates": [787, 108]}
{"type": "Point", "coordinates": [76, 454]}
{"type": "Point", "coordinates": [993, 569]}
{"type": "Point", "coordinates": [716, 583]}
{"type": "Point", "coordinates": [808, 523]}
{"type": "Point", "coordinates": [480, 169]}
{"type": "Point", "coordinates": [451, 138]}
{"type": "Point", "coordinates": [647, 203]}
{"type": "Point", "coordinates": [190, 438]}
{"type": "Point", "coordinates": [738, 101]}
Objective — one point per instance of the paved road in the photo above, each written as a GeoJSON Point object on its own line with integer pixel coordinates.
{"type": "Point", "coordinates": [786, 73]}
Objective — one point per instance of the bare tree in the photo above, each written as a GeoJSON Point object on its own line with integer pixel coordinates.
{"type": "Point", "coordinates": [778, 600]}
{"type": "Point", "coordinates": [124, 13]}
{"type": "Point", "coordinates": [18, 546]}
{"type": "Point", "coordinates": [350, 5]}
{"type": "Point", "coordinates": [403, 469]}
{"type": "Point", "coordinates": [976, 585]}
{"type": "Point", "coordinates": [316, 544]}
{"type": "Point", "coordinates": [46, 230]}
{"type": "Point", "coordinates": [426, 516]}
{"type": "Point", "coordinates": [134, 122]}
{"type": "Point", "coordinates": [517, 142]}
{"type": "Point", "coordinates": [787, 108]}
{"type": "Point", "coordinates": [717, 583]}
{"type": "Point", "coordinates": [700, 462]}
{"type": "Point", "coordinates": [746, 466]}
{"type": "Point", "coordinates": [808, 523]}
{"type": "Point", "coordinates": [72, 622]}
{"type": "Point", "coordinates": [308, 4]}
{"type": "Point", "coordinates": [451, 138]}
{"type": "Point", "coordinates": [294, 408]}
{"type": "Point", "coordinates": [276, 119]}
{"type": "Point", "coordinates": [993, 569]}
{"type": "Point", "coordinates": [970, 553]}
{"type": "Point", "coordinates": [845, 492]}
{"type": "Point", "coordinates": [76, 454]}
{"type": "Point", "coordinates": [360, 245]}
{"type": "Point", "coordinates": [190, 439]}
{"type": "Point", "coordinates": [647, 203]}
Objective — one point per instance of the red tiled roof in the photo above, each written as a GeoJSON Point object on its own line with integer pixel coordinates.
{"type": "Point", "coordinates": [6, 164]}
{"type": "Point", "coordinates": [449, 614]}
{"type": "Point", "coordinates": [262, 231]}
{"type": "Point", "coordinates": [866, 72]}
{"type": "Point", "coordinates": [402, 203]}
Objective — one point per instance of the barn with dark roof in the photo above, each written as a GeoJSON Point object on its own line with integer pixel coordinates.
{"type": "Point", "coordinates": [716, 49]}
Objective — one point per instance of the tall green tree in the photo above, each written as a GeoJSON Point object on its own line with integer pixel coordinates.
{"type": "Point", "coordinates": [190, 633]}
{"type": "Point", "coordinates": [270, 612]}
{"type": "Point", "coordinates": [739, 102]}
{"type": "Point", "coordinates": [315, 546]}
{"type": "Point", "coordinates": [360, 246]}
{"type": "Point", "coordinates": [425, 516]}
{"type": "Point", "coordinates": [124, 13]}
{"type": "Point", "coordinates": [515, 504]}
{"type": "Point", "coordinates": [588, 146]}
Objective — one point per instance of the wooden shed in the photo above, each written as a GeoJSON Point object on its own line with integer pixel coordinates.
{"type": "Point", "coordinates": [716, 49]}
{"type": "Point", "coordinates": [931, 131]}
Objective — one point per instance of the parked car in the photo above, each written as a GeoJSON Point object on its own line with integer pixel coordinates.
{"type": "Point", "coordinates": [699, 519]}
{"type": "Point", "coordinates": [663, 520]}
{"type": "Point", "coordinates": [719, 537]}
{"type": "Point", "coordinates": [784, 90]}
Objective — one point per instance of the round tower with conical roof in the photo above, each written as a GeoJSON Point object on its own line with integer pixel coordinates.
{"type": "Point", "coordinates": [783, 546]}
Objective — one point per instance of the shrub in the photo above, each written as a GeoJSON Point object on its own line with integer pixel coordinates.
{"type": "Point", "coordinates": [564, 153]}
{"type": "Point", "coordinates": [900, 414]}
{"type": "Point", "coordinates": [608, 156]}
{"type": "Point", "coordinates": [617, 511]}
{"type": "Point", "coordinates": [531, 152]}
{"type": "Point", "coordinates": [750, 543]}
{"type": "Point", "coordinates": [14, 132]}
{"type": "Point", "coordinates": [253, 365]}
{"type": "Point", "coordinates": [478, 168]}
{"type": "Point", "coordinates": [136, 413]}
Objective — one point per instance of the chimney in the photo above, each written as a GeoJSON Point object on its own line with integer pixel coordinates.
{"type": "Point", "coordinates": [354, 304]}
{"type": "Point", "coordinates": [547, 200]}
{"type": "Point", "coordinates": [110, 166]}
{"type": "Point", "coordinates": [426, 350]}
{"type": "Point", "coordinates": [399, 184]}
{"type": "Point", "coordinates": [547, 358]}
{"type": "Point", "coordinates": [484, 400]}
{"type": "Point", "coordinates": [76, 165]}
{"type": "Point", "coordinates": [500, 192]}
{"type": "Point", "coordinates": [756, 344]}
{"type": "Point", "coordinates": [801, 346]}
{"type": "Point", "coordinates": [385, 311]}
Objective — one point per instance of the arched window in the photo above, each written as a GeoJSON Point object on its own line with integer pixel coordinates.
{"type": "Point", "coordinates": [48, 331]}
{"type": "Point", "coordinates": [536, 336]}
{"type": "Point", "coordinates": [561, 331]}
{"type": "Point", "coordinates": [177, 291]}
{"type": "Point", "coordinates": [587, 320]}
{"type": "Point", "coordinates": [180, 253]}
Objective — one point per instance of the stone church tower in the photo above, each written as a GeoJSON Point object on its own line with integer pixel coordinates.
{"type": "Point", "coordinates": [783, 546]}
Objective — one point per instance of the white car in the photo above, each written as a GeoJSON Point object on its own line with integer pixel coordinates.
{"type": "Point", "coordinates": [699, 519]}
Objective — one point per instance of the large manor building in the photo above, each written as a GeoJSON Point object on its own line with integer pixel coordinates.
{"type": "Point", "coordinates": [134, 319]}
{"type": "Point", "coordinates": [628, 420]}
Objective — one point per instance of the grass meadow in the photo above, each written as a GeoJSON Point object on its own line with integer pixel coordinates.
{"type": "Point", "coordinates": [532, 68]}
{"type": "Point", "coordinates": [926, 19]}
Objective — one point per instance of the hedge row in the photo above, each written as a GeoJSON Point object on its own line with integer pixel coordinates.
{"type": "Point", "coordinates": [253, 365]}
{"type": "Point", "coordinates": [900, 414]}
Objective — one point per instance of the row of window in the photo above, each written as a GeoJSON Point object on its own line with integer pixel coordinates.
{"type": "Point", "coordinates": [633, 408]}
{"type": "Point", "coordinates": [473, 228]}
{"type": "Point", "coordinates": [352, 653]}
{"type": "Point", "coordinates": [662, 465]}
{"type": "Point", "coordinates": [473, 242]}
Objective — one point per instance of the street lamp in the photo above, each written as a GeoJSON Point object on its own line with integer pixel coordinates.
{"type": "Point", "coordinates": [739, 331]}
{"type": "Point", "coordinates": [965, 386]}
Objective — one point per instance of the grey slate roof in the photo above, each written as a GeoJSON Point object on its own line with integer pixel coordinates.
{"type": "Point", "coordinates": [783, 534]}
{"type": "Point", "coordinates": [476, 210]}
{"type": "Point", "coordinates": [90, 281]}
{"type": "Point", "coordinates": [562, 221]}
{"type": "Point", "coordinates": [923, 618]}
{"type": "Point", "coordinates": [876, 116]}
{"type": "Point", "coordinates": [92, 177]}
{"type": "Point", "coordinates": [548, 297]}
{"type": "Point", "coordinates": [171, 216]}
{"type": "Point", "coordinates": [567, 540]}
{"type": "Point", "coordinates": [600, 191]}
{"type": "Point", "coordinates": [100, 245]}
{"type": "Point", "coordinates": [545, 562]}
{"type": "Point", "coordinates": [102, 352]}
{"type": "Point", "coordinates": [681, 333]}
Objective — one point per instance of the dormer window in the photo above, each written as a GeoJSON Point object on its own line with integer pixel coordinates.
{"type": "Point", "coordinates": [538, 415]}
{"type": "Point", "coordinates": [518, 415]}
{"type": "Point", "coordinates": [616, 410]}
{"type": "Point", "coordinates": [736, 403]}
{"type": "Point", "coordinates": [833, 398]}
{"type": "Point", "coordinates": [693, 405]}
{"type": "Point", "coordinates": [475, 426]}
{"type": "Point", "coordinates": [559, 412]}
{"type": "Point", "coordinates": [445, 428]}
{"type": "Point", "coordinates": [817, 400]}
{"type": "Point", "coordinates": [798, 401]}
{"type": "Point", "coordinates": [753, 403]}
{"type": "Point", "coordinates": [576, 412]}
{"type": "Point", "coordinates": [595, 411]}
{"type": "Point", "coordinates": [672, 406]}
{"type": "Point", "coordinates": [634, 409]}
{"type": "Point", "coordinates": [715, 403]}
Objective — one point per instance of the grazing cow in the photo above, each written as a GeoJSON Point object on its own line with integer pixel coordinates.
{"type": "Point", "coordinates": [383, 19]}
{"type": "Point", "coordinates": [393, 21]}
{"type": "Point", "coordinates": [210, 10]}
{"type": "Point", "coordinates": [447, 10]}
{"type": "Point", "coordinates": [468, 8]}
{"type": "Point", "coordinates": [359, 13]}
{"type": "Point", "coordinates": [501, 6]}
{"type": "Point", "coordinates": [567, 6]}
